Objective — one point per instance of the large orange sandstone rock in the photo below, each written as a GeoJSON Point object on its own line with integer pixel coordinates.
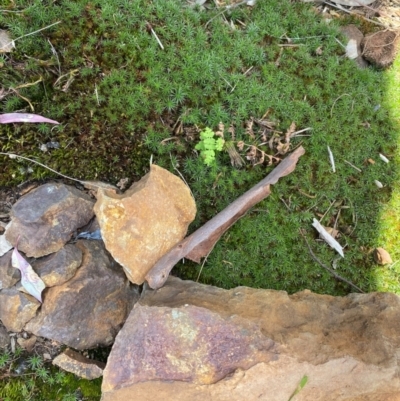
{"type": "Point", "coordinates": [192, 342]}
{"type": "Point", "coordinates": [141, 225]}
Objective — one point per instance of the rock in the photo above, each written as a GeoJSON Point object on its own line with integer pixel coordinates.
{"type": "Point", "coordinates": [46, 218]}
{"type": "Point", "coordinates": [59, 267]}
{"type": "Point", "coordinates": [188, 344]}
{"type": "Point", "coordinates": [73, 362]}
{"type": "Point", "coordinates": [345, 345]}
{"type": "Point", "coordinates": [382, 256]}
{"type": "Point", "coordinates": [4, 338]}
{"type": "Point", "coordinates": [16, 309]}
{"type": "Point", "coordinates": [27, 343]}
{"type": "Point", "coordinates": [380, 48]}
{"type": "Point", "coordinates": [9, 275]}
{"type": "Point", "coordinates": [353, 47]}
{"type": "Point", "coordinates": [141, 225]}
{"type": "Point", "coordinates": [89, 309]}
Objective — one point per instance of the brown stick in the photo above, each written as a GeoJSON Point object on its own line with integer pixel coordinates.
{"type": "Point", "coordinates": [202, 241]}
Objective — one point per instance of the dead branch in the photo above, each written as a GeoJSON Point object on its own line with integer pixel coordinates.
{"type": "Point", "coordinates": [201, 242]}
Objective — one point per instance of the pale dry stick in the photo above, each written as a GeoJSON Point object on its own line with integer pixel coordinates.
{"type": "Point", "coordinates": [229, 7]}
{"type": "Point", "coordinates": [11, 11]}
{"type": "Point", "coordinates": [202, 265]}
{"type": "Point", "coordinates": [97, 94]}
{"type": "Point", "coordinates": [155, 35]}
{"type": "Point", "coordinates": [54, 51]}
{"type": "Point", "coordinates": [24, 98]}
{"type": "Point", "coordinates": [350, 12]}
{"type": "Point", "coordinates": [296, 133]}
{"type": "Point", "coordinates": [287, 207]}
{"type": "Point", "coordinates": [352, 165]}
{"type": "Point", "coordinates": [327, 268]}
{"type": "Point", "coordinates": [183, 178]}
{"type": "Point", "coordinates": [344, 94]}
{"type": "Point", "coordinates": [13, 156]}
{"type": "Point", "coordinates": [248, 70]}
{"type": "Point", "coordinates": [329, 208]}
{"type": "Point", "coordinates": [31, 33]}
{"type": "Point", "coordinates": [332, 160]}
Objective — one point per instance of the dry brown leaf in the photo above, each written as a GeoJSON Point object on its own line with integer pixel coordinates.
{"type": "Point", "coordinates": [221, 129]}
{"type": "Point", "coordinates": [252, 154]}
{"type": "Point", "coordinates": [249, 128]}
{"type": "Point", "coordinates": [282, 148]}
{"type": "Point", "coordinates": [240, 145]}
{"type": "Point", "coordinates": [231, 130]}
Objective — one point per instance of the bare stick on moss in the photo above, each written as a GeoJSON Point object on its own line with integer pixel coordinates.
{"type": "Point", "coordinates": [337, 277]}
{"type": "Point", "coordinates": [201, 242]}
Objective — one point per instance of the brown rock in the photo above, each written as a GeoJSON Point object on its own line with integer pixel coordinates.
{"type": "Point", "coordinates": [46, 218]}
{"type": "Point", "coordinates": [353, 48]}
{"type": "Point", "coordinates": [59, 267]}
{"type": "Point", "coordinates": [89, 309]}
{"type": "Point", "coordinates": [187, 344]}
{"type": "Point", "coordinates": [145, 222]}
{"type": "Point", "coordinates": [345, 346]}
{"type": "Point", "coordinates": [27, 343]}
{"type": "Point", "coordinates": [9, 275]}
{"type": "Point", "coordinates": [16, 309]}
{"type": "Point", "coordinates": [73, 362]}
{"type": "Point", "coordinates": [380, 48]}
{"type": "Point", "coordinates": [382, 256]}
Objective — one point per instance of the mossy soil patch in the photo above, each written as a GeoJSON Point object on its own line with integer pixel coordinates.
{"type": "Point", "coordinates": [120, 98]}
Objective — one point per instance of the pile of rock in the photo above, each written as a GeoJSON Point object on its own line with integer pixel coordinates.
{"type": "Point", "coordinates": [184, 341]}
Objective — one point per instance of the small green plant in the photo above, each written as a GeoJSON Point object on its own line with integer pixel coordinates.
{"type": "Point", "coordinates": [209, 145]}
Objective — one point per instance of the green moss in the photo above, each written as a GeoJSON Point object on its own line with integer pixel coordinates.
{"type": "Point", "coordinates": [121, 98]}
{"type": "Point", "coordinates": [26, 378]}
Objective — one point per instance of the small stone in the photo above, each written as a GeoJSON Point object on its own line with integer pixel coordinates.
{"type": "Point", "coordinates": [28, 343]}
{"type": "Point", "coordinates": [47, 356]}
{"type": "Point", "coordinates": [382, 256]}
{"type": "Point", "coordinates": [46, 218]}
{"type": "Point", "coordinates": [16, 309]}
{"type": "Point", "coordinates": [59, 267]}
{"type": "Point", "coordinates": [89, 309]}
{"type": "Point", "coordinates": [73, 362]}
{"type": "Point", "coordinates": [353, 48]}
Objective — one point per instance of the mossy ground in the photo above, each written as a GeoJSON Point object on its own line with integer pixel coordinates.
{"type": "Point", "coordinates": [29, 378]}
{"type": "Point", "coordinates": [120, 98]}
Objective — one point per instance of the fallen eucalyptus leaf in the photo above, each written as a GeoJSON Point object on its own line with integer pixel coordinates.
{"type": "Point", "coordinates": [32, 283]}
{"type": "Point", "coordinates": [382, 256]}
{"type": "Point", "coordinates": [9, 118]}
{"type": "Point", "coordinates": [328, 238]}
